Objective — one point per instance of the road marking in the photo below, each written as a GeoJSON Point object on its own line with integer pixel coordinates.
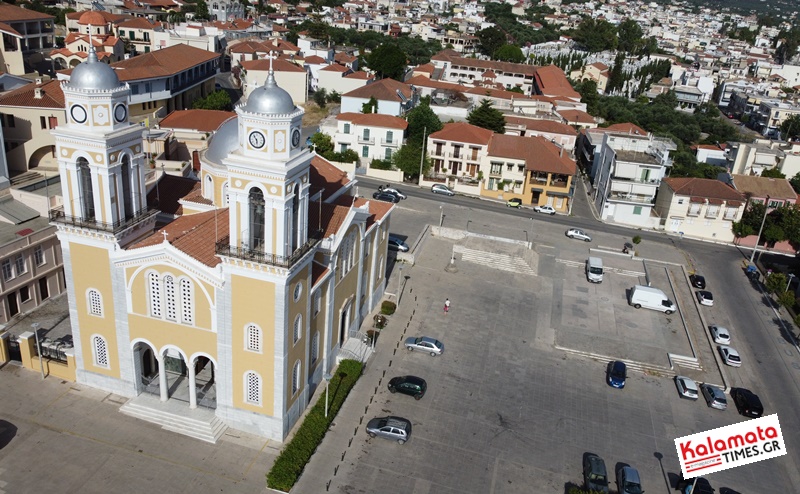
{"type": "Point", "coordinates": [497, 261]}
{"type": "Point", "coordinates": [623, 272]}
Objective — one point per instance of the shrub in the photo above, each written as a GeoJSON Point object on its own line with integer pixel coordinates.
{"type": "Point", "coordinates": [388, 307]}
{"type": "Point", "coordinates": [294, 457]}
{"type": "Point", "coordinates": [637, 239]}
{"type": "Point", "coordinates": [381, 164]}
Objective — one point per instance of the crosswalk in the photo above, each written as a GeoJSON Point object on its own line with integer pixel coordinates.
{"type": "Point", "coordinates": [623, 272]}
{"type": "Point", "coordinates": [504, 262]}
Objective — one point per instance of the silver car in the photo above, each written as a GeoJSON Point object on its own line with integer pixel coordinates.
{"type": "Point", "coordinates": [687, 388]}
{"type": "Point", "coordinates": [721, 335]}
{"type": "Point", "coordinates": [393, 428]}
{"type": "Point", "coordinates": [714, 396]}
{"type": "Point", "coordinates": [730, 356]}
{"type": "Point", "coordinates": [579, 234]}
{"type": "Point", "coordinates": [426, 344]}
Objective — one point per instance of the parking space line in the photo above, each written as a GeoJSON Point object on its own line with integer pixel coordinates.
{"type": "Point", "coordinates": [623, 272]}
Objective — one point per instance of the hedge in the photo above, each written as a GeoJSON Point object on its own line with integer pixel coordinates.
{"type": "Point", "coordinates": [293, 459]}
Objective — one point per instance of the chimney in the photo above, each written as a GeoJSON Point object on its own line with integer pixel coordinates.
{"type": "Point", "coordinates": [38, 81]}
{"type": "Point", "coordinates": [38, 93]}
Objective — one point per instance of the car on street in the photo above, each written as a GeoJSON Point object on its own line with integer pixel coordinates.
{"type": "Point", "coordinates": [545, 209]}
{"type": "Point", "coordinates": [714, 397]}
{"type": "Point", "coordinates": [425, 344]}
{"type": "Point", "coordinates": [578, 234]}
{"type": "Point", "coordinates": [397, 244]}
{"type": "Point", "coordinates": [687, 388]}
{"type": "Point", "coordinates": [393, 428]}
{"type": "Point", "coordinates": [747, 403]}
{"type": "Point", "coordinates": [408, 385]}
{"type": "Point", "coordinates": [514, 202]}
{"type": "Point", "coordinates": [692, 486]}
{"type": "Point", "coordinates": [730, 356]}
{"type": "Point", "coordinates": [595, 477]}
{"type": "Point", "coordinates": [705, 298]}
{"type": "Point", "coordinates": [385, 196]}
{"type": "Point", "coordinates": [616, 374]}
{"type": "Point", "coordinates": [721, 335]}
{"type": "Point", "coordinates": [442, 189]}
{"type": "Point", "coordinates": [628, 481]}
{"type": "Point", "coordinates": [698, 281]}
{"type": "Point", "coordinates": [392, 190]}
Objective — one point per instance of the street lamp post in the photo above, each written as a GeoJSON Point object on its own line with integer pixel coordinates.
{"type": "Point", "coordinates": [758, 238]}
{"type": "Point", "coordinates": [441, 214]}
{"type": "Point", "coordinates": [327, 378]}
{"type": "Point", "coordinates": [790, 282]}
{"type": "Point", "coordinates": [399, 284]}
{"type": "Point", "coordinates": [422, 154]}
{"type": "Point", "coordinates": [35, 327]}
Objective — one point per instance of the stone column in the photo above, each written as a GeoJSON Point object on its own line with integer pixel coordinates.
{"type": "Point", "coordinates": [162, 378]}
{"type": "Point", "coordinates": [192, 386]}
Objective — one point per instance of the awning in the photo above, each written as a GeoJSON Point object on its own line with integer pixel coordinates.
{"type": "Point", "coordinates": [536, 189]}
{"type": "Point", "coordinates": [559, 194]}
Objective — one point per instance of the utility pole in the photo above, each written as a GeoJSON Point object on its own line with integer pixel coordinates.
{"type": "Point", "coordinates": [422, 154]}
{"type": "Point", "coordinates": [758, 238]}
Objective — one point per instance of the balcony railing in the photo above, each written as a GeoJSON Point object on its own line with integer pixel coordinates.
{"type": "Point", "coordinates": [57, 215]}
{"type": "Point", "coordinates": [643, 199]}
{"type": "Point", "coordinates": [366, 140]}
{"type": "Point", "coordinates": [693, 212]}
{"type": "Point", "coordinates": [224, 248]}
{"type": "Point", "coordinates": [649, 181]}
{"type": "Point", "coordinates": [392, 144]}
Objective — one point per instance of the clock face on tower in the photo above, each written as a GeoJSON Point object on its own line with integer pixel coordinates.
{"type": "Point", "coordinates": [78, 113]}
{"type": "Point", "coordinates": [295, 138]}
{"type": "Point", "coordinates": [120, 113]}
{"type": "Point", "coordinates": [257, 139]}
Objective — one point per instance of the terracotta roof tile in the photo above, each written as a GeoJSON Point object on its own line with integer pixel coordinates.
{"type": "Point", "coordinates": [496, 93]}
{"type": "Point", "coordinates": [760, 187]}
{"type": "Point", "coordinates": [374, 119]}
{"type": "Point", "coordinates": [162, 63]}
{"type": "Point", "coordinates": [324, 174]}
{"type": "Point", "coordinates": [549, 126]}
{"type": "Point", "coordinates": [139, 23]}
{"type": "Point", "coordinates": [12, 13]}
{"type": "Point", "coordinates": [577, 116]}
{"type": "Point", "coordinates": [200, 120]}
{"type": "Point", "coordinates": [335, 67]}
{"type": "Point", "coordinates": [627, 128]}
{"type": "Point", "coordinates": [539, 153]}
{"type": "Point", "coordinates": [359, 74]}
{"type": "Point", "coordinates": [382, 90]}
{"type": "Point", "coordinates": [278, 65]}
{"type": "Point", "coordinates": [552, 82]}
{"type": "Point", "coordinates": [464, 132]}
{"type": "Point", "coordinates": [317, 272]}
{"type": "Point", "coordinates": [195, 235]}
{"type": "Point", "coordinates": [331, 219]}
{"type": "Point", "coordinates": [422, 81]}
{"type": "Point", "coordinates": [315, 60]}
{"type": "Point", "coordinates": [5, 28]}
{"type": "Point", "coordinates": [25, 96]}
{"type": "Point", "coordinates": [704, 188]}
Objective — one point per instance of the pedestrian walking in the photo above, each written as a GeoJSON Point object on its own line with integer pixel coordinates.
{"type": "Point", "coordinates": [446, 305]}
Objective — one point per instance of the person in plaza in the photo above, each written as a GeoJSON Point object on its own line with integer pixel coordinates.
{"type": "Point", "coordinates": [446, 305]}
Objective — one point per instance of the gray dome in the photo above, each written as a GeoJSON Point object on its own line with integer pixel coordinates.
{"type": "Point", "coordinates": [93, 74]}
{"type": "Point", "coordinates": [270, 99]}
{"type": "Point", "coordinates": [224, 141]}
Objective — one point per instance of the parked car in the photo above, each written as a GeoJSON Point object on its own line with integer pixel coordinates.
{"type": "Point", "coordinates": [426, 344]}
{"type": "Point", "coordinates": [616, 374]}
{"type": "Point", "coordinates": [628, 481]}
{"type": "Point", "coordinates": [730, 356]}
{"type": "Point", "coordinates": [545, 209]}
{"type": "Point", "coordinates": [698, 281]}
{"type": "Point", "coordinates": [595, 478]}
{"type": "Point", "coordinates": [687, 388]}
{"type": "Point", "coordinates": [396, 243]}
{"type": "Point", "coordinates": [721, 335]}
{"type": "Point", "coordinates": [392, 190]}
{"type": "Point", "coordinates": [747, 403]}
{"type": "Point", "coordinates": [394, 428]}
{"type": "Point", "coordinates": [579, 234]}
{"type": "Point", "coordinates": [699, 486]}
{"type": "Point", "coordinates": [442, 189]}
{"type": "Point", "coordinates": [705, 298]}
{"type": "Point", "coordinates": [408, 385]}
{"type": "Point", "coordinates": [514, 202]}
{"type": "Point", "coordinates": [385, 196]}
{"type": "Point", "coordinates": [714, 396]}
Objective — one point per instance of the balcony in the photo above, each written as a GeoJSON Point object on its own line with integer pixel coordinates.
{"type": "Point", "coordinates": [57, 215]}
{"type": "Point", "coordinates": [366, 140]}
{"type": "Point", "coordinates": [693, 212]}
{"type": "Point", "coordinates": [637, 198]}
{"type": "Point", "coordinates": [649, 181]}
{"type": "Point", "coordinates": [394, 143]}
{"type": "Point", "coordinates": [224, 248]}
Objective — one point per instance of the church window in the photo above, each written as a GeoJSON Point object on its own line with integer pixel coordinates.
{"type": "Point", "coordinates": [256, 202]}
{"type": "Point", "coordinates": [315, 348]}
{"type": "Point", "coordinates": [127, 196]}
{"type": "Point", "coordinates": [252, 338]}
{"type": "Point", "coordinates": [154, 284]}
{"type": "Point", "coordinates": [209, 188]}
{"type": "Point", "coordinates": [298, 328]}
{"type": "Point", "coordinates": [169, 297]}
{"type": "Point", "coordinates": [298, 290]}
{"type": "Point", "coordinates": [187, 306]}
{"type": "Point", "coordinates": [95, 303]}
{"type": "Point", "coordinates": [100, 350]}
{"type": "Point", "coordinates": [296, 378]}
{"type": "Point", "coordinates": [252, 383]}
{"type": "Point", "coordinates": [225, 195]}
{"type": "Point", "coordinates": [317, 302]}
{"type": "Point", "coordinates": [86, 190]}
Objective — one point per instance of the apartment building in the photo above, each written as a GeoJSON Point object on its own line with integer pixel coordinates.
{"type": "Point", "coordinates": [27, 34]}
{"type": "Point", "coordinates": [753, 158]}
{"type": "Point", "coordinates": [457, 150]}
{"type": "Point", "coordinates": [287, 74]}
{"type": "Point", "coordinates": [393, 97]}
{"type": "Point", "coordinates": [371, 135]}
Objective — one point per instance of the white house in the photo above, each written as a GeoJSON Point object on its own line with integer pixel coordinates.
{"type": "Point", "coordinates": [393, 97]}
{"type": "Point", "coordinates": [371, 135]}
{"type": "Point", "coordinates": [290, 76]}
{"type": "Point", "coordinates": [338, 78]}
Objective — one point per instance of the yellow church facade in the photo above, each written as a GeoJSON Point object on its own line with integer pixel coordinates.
{"type": "Point", "coordinates": [234, 294]}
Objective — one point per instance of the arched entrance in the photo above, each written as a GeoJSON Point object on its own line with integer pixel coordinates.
{"type": "Point", "coordinates": [344, 321]}
{"type": "Point", "coordinates": [193, 384]}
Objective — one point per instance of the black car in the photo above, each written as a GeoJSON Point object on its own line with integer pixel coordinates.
{"type": "Point", "coordinates": [747, 403]}
{"type": "Point", "coordinates": [698, 281]}
{"type": "Point", "coordinates": [408, 385]}
{"type": "Point", "coordinates": [595, 478]}
{"type": "Point", "coordinates": [386, 196]}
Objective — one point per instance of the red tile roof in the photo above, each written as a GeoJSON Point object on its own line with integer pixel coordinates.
{"type": "Point", "coordinates": [318, 271]}
{"type": "Point", "coordinates": [169, 190]}
{"type": "Point", "coordinates": [5, 28]}
{"type": "Point", "coordinates": [196, 235]}
{"type": "Point", "coordinates": [577, 116]}
{"type": "Point", "coordinates": [382, 90]}
{"type": "Point", "coordinates": [422, 81]}
{"type": "Point", "coordinates": [12, 13]}
{"type": "Point", "coordinates": [315, 60]}
{"type": "Point", "coordinates": [326, 175]}
{"type": "Point", "coordinates": [374, 120]}
{"type": "Point", "coordinates": [278, 65]}
{"type": "Point", "coordinates": [200, 120]}
{"type": "Point", "coordinates": [552, 82]}
{"type": "Point", "coordinates": [705, 188]}
{"type": "Point", "coordinates": [162, 63]}
{"type": "Point", "coordinates": [549, 126]}
{"type": "Point", "coordinates": [335, 67]}
{"type": "Point", "coordinates": [463, 132]}
{"type": "Point", "coordinates": [539, 153]}
{"type": "Point", "coordinates": [627, 128]}
{"type": "Point", "coordinates": [25, 96]}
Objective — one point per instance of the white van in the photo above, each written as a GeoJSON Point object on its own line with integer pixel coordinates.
{"type": "Point", "coordinates": [594, 270]}
{"type": "Point", "coordinates": [651, 298]}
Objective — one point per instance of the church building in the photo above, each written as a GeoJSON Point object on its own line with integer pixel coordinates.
{"type": "Point", "coordinates": [234, 294]}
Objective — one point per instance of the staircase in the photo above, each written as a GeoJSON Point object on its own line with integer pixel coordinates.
{"type": "Point", "coordinates": [199, 423]}
{"type": "Point", "coordinates": [26, 178]}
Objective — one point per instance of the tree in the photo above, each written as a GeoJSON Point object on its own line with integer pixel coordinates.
{"type": "Point", "coordinates": [629, 36]}
{"type": "Point", "coordinates": [320, 97]}
{"type": "Point", "coordinates": [388, 61]}
{"type": "Point", "coordinates": [776, 283]}
{"type": "Point", "coordinates": [322, 142]}
{"type": "Point", "coordinates": [488, 117]}
{"type": "Point", "coordinates": [615, 78]}
{"type": "Point", "coordinates": [201, 10]}
{"type": "Point", "coordinates": [772, 173]}
{"type": "Point", "coordinates": [795, 181]}
{"type": "Point", "coordinates": [787, 298]}
{"type": "Point", "coordinates": [595, 35]}
{"type": "Point", "coordinates": [587, 88]}
{"type": "Point", "coordinates": [790, 128]}
{"type": "Point", "coordinates": [422, 119]}
{"type": "Point", "coordinates": [491, 40]}
{"type": "Point", "coordinates": [509, 53]}
{"type": "Point", "coordinates": [370, 106]}
{"type": "Point", "coordinates": [218, 100]}
{"type": "Point", "coordinates": [407, 159]}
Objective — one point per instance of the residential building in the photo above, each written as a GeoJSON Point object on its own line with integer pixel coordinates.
{"type": "Point", "coordinates": [371, 135]}
{"type": "Point", "coordinates": [597, 72]}
{"type": "Point", "coordinates": [288, 75]}
{"type": "Point", "coordinates": [699, 207]}
{"type": "Point", "coordinates": [393, 97]}
{"type": "Point", "coordinates": [340, 79]}
{"type": "Point", "coordinates": [226, 10]}
{"type": "Point", "coordinates": [771, 114]}
{"type": "Point", "coordinates": [240, 311]}
{"type": "Point", "coordinates": [713, 154]}
{"type": "Point", "coordinates": [204, 37]}
{"type": "Point", "coordinates": [627, 172]}
{"type": "Point", "coordinates": [140, 33]}
{"type": "Point", "coordinates": [590, 139]}
{"type": "Point", "coordinates": [457, 150]}
{"type": "Point", "coordinates": [470, 71]}
{"type": "Point", "coordinates": [752, 158]}
{"type": "Point", "coordinates": [27, 36]}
